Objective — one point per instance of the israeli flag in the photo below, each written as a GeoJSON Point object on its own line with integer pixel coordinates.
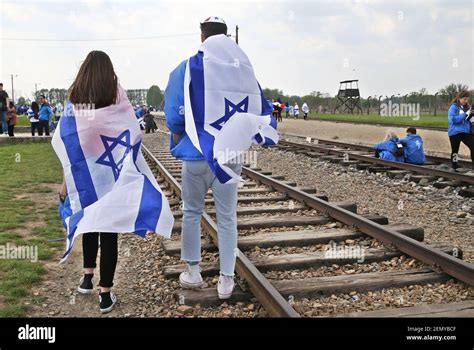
{"type": "Point", "coordinates": [224, 107]}
{"type": "Point", "coordinates": [110, 186]}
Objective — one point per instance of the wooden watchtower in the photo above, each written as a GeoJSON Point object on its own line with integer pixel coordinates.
{"type": "Point", "coordinates": [348, 97]}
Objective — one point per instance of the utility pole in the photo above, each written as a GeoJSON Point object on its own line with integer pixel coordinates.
{"type": "Point", "coordinates": [237, 35]}
{"type": "Point", "coordinates": [13, 93]}
{"type": "Point", "coordinates": [36, 90]}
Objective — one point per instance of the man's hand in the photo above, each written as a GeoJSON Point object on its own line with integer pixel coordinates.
{"type": "Point", "coordinates": [176, 137]}
{"type": "Point", "coordinates": [63, 190]}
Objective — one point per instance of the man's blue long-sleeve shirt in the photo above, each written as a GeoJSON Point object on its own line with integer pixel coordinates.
{"type": "Point", "coordinates": [174, 112]}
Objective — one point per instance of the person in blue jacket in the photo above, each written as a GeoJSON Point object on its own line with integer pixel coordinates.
{"type": "Point", "coordinates": [45, 116]}
{"type": "Point", "coordinates": [413, 147]}
{"type": "Point", "coordinates": [140, 112]}
{"type": "Point", "coordinates": [287, 109]}
{"type": "Point", "coordinates": [196, 178]}
{"type": "Point", "coordinates": [459, 126]}
{"type": "Point", "coordinates": [181, 146]}
{"type": "Point", "coordinates": [387, 150]}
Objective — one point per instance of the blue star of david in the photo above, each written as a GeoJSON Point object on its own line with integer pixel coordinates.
{"type": "Point", "coordinates": [110, 143]}
{"type": "Point", "coordinates": [230, 110]}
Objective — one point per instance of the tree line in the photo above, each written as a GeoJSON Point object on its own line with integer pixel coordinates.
{"type": "Point", "coordinates": [316, 100]}
{"type": "Point", "coordinates": [151, 97]}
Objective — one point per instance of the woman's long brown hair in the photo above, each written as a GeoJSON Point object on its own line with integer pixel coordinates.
{"type": "Point", "coordinates": [96, 83]}
{"type": "Point", "coordinates": [461, 94]}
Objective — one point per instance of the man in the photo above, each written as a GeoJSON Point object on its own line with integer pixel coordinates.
{"type": "Point", "coordinates": [197, 175]}
{"type": "Point", "coordinates": [45, 116]}
{"type": "Point", "coordinates": [4, 103]}
{"type": "Point", "coordinates": [413, 144]}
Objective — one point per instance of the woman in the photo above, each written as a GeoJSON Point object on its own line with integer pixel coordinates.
{"type": "Point", "coordinates": [390, 149]}
{"type": "Point", "coordinates": [96, 85]}
{"type": "Point", "coordinates": [11, 119]}
{"type": "Point", "coordinates": [33, 115]}
{"type": "Point", "coordinates": [108, 187]}
{"type": "Point", "coordinates": [459, 126]}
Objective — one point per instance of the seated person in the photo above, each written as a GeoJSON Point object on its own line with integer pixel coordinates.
{"type": "Point", "coordinates": [413, 145]}
{"type": "Point", "coordinates": [390, 149]}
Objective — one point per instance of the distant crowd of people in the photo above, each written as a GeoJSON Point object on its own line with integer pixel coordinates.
{"type": "Point", "coordinates": [294, 110]}
{"type": "Point", "coordinates": [41, 115]}
{"type": "Point", "coordinates": [44, 118]}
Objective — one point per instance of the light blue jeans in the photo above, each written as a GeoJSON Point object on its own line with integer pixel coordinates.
{"type": "Point", "coordinates": [196, 179]}
{"type": "Point", "coordinates": [3, 117]}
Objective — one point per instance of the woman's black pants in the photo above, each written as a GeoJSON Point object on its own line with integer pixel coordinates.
{"type": "Point", "coordinates": [108, 255]}
{"type": "Point", "coordinates": [468, 140]}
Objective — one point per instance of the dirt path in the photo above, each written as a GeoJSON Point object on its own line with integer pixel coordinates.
{"type": "Point", "coordinates": [139, 283]}
{"type": "Point", "coordinates": [436, 142]}
{"type": "Point", "coordinates": [57, 295]}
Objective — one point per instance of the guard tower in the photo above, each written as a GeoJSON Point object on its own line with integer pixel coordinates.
{"type": "Point", "coordinates": [348, 97]}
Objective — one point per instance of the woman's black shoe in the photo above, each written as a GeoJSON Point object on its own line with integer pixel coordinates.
{"type": "Point", "coordinates": [86, 286]}
{"type": "Point", "coordinates": [107, 301]}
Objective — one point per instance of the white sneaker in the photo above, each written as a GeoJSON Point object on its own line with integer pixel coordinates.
{"type": "Point", "coordinates": [225, 287]}
{"type": "Point", "coordinates": [191, 277]}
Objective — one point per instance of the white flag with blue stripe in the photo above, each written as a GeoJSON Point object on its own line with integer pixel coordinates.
{"type": "Point", "coordinates": [225, 110]}
{"type": "Point", "coordinates": [110, 186]}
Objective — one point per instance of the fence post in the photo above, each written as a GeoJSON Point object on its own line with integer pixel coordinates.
{"type": "Point", "coordinates": [435, 105]}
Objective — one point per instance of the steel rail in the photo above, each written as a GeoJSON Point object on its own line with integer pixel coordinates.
{"type": "Point", "coordinates": [353, 146]}
{"type": "Point", "coordinates": [454, 267]}
{"type": "Point", "coordinates": [404, 166]}
{"type": "Point", "coordinates": [273, 302]}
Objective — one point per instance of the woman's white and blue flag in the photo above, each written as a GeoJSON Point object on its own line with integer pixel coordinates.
{"type": "Point", "coordinates": [110, 186]}
{"type": "Point", "coordinates": [224, 107]}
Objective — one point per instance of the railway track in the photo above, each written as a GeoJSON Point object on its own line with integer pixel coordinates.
{"type": "Point", "coordinates": [386, 125]}
{"type": "Point", "coordinates": [284, 229]}
{"type": "Point", "coordinates": [436, 170]}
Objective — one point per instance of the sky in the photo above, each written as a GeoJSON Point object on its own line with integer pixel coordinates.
{"type": "Point", "coordinates": [392, 47]}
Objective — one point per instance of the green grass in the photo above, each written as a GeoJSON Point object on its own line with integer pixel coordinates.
{"type": "Point", "coordinates": [424, 120]}
{"type": "Point", "coordinates": [24, 169]}
{"type": "Point", "coordinates": [23, 120]}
